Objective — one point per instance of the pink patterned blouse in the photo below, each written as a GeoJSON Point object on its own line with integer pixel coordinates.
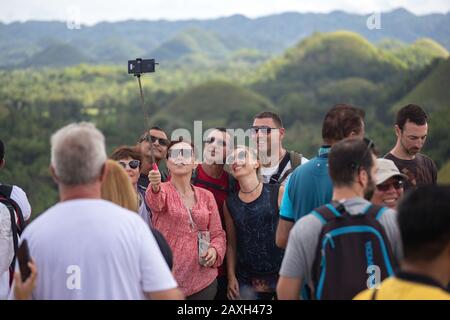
{"type": "Point", "coordinates": [171, 218]}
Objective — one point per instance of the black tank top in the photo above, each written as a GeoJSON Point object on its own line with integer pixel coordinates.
{"type": "Point", "coordinates": [256, 224]}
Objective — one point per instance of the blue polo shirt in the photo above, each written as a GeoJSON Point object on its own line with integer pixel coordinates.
{"type": "Point", "coordinates": [309, 187]}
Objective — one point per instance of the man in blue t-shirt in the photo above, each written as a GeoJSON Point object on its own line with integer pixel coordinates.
{"type": "Point", "coordinates": [310, 185]}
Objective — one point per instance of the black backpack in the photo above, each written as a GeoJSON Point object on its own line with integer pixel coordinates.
{"type": "Point", "coordinates": [348, 245]}
{"type": "Point", "coordinates": [14, 209]}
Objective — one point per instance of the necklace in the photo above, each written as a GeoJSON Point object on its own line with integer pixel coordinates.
{"type": "Point", "coordinates": [247, 192]}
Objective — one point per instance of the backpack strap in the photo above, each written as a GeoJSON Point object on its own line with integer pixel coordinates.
{"type": "Point", "coordinates": [329, 212]}
{"type": "Point", "coordinates": [296, 159]}
{"type": "Point", "coordinates": [14, 232]}
{"type": "Point", "coordinates": [375, 211]}
{"type": "Point", "coordinates": [5, 192]}
{"type": "Point", "coordinates": [274, 193]}
{"type": "Point", "coordinates": [231, 183]}
{"type": "Point", "coordinates": [283, 163]}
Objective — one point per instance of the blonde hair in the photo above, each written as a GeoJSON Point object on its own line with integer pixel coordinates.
{"type": "Point", "coordinates": [117, 187]}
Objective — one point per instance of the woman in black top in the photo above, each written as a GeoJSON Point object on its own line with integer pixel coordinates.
{"type": "Point", "coordinates": [251, 218]}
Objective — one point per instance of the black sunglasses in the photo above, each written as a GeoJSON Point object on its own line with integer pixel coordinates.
{"type": "Point", "coordinates": [398, 184]}
{"type": "Point", "coordinates": [264, 129]}
{"type": "Point", "coordinates": [149, 138]}
{"type": "Point", "coordinates": [133, 164]}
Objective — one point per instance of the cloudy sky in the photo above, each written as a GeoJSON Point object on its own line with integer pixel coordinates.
{"type": "Point", "coordinates": [93, 11]}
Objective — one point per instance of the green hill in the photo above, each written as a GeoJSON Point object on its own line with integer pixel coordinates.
{"type": "Point", "coordinates": [189, 43]}
{"type": "Point", "coordinates": [216, 103]}
{"type": "Point", "coordinates": [420, 53]}
{"type": "Point", "coordinates": [57, 55]}
{"type": "Point", "coordinates": [433, 91]}
{"type": "Point", "coordinates": [326, 57]}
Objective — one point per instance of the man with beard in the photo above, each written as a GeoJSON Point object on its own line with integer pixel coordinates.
{"type": "Point", "coordinates": [341, 231]}
{"type": "Point", "coordinates": [158, 138]}
{"type": "Point", "coordinates": [411, 129]}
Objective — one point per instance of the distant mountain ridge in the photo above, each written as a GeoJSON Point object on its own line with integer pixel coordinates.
{"type": "Point", "coordinates": [116, 42]}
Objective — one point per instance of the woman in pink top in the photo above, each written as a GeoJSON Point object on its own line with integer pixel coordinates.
{"type": "Point", "coordinates": [181, 212]}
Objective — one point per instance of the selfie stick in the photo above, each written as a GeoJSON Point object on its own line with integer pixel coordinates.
{"type": "Point", "coordinates": [147, 122]}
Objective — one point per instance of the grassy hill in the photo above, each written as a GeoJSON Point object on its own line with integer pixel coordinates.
{"type": "Point", "coordinates": [433, 91]}
{"type": "Point", "coordinates": [216, 103]}
{"type": "Point", "coordinates": [57, 55]}
{"type": "Point", "coordinates": [324, 58]}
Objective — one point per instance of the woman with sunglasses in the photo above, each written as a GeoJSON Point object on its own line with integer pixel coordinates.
{"type": "Point", "coordinates": [187, 216]}
{"type": "Point", "coordinates": [389, 181]}
{"type": "Point", "coordinates": [251, 219]}
{"type": "Point", "coordinates": [131, 160]}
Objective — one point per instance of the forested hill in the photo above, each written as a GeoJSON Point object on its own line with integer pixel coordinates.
{"type": "Point", "coordinates": [52, 43]}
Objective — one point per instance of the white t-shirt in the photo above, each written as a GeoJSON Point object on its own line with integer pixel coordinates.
{"type": "Point", "coordinates": [6, 238]}
{"type": "Point", "coordinates": [266, 173]}
{"type": "Point", "coordinates": [94, 249]}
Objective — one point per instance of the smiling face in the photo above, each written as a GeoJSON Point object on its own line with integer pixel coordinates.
{"type": "Point", "coordinates": [388, 193]}
{"type": "Point", "coordinates": [128, 164]}
{"type": "Point", "coordinates": [181, 159]}
{"type": "Point", "coordinates": [243, 163]}
{"type": "Point", "coordinates": [268, 135]}
{"type": "Point", "coordinates": [217, 147]}
{"type": "Point", "coordinates": [159, 147]}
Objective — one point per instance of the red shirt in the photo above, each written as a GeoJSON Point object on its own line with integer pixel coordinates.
{"type": "Point", "coordinates": [219, 195]}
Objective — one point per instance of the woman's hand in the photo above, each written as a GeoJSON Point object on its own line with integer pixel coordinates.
{"type": "Point", "coordinates": [23, 290]}
{"type": "Point", "coordinates": [210, 257]}
{"type": "Point", "coordinates": [233, 288]}
{"type": "Point", "coordinates": [155, 179]}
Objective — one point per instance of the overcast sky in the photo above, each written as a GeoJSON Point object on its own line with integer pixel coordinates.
{"type": "Point", "coordinates": [93, 11]}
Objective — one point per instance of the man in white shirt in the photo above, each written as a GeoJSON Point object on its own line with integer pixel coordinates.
{"type": "Point", "coordinates": [85, 247]}
{"type": "Point", "coordinates": [17, 195]}
{"type": "Point", "coordinates": [277, 163]}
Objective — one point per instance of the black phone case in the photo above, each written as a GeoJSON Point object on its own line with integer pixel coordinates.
{"type": "Point", "coordinates": [23, 257]}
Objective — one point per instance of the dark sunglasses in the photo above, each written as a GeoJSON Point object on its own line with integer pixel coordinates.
{"type": "Point", "coordinates": [149, 138]}
{"type": "Point", "coordinates": [263, 129]}
{"type": "Point", "coordinates": [185, 153]}
{"type": "Point", "coordinates": [398, 184]}
{"type": "Point", "coordinates": [211, 140]}
{"type": "Point", "coordinates": [240, 156]}
{"type": "Point", "coordinates": [133, 164]}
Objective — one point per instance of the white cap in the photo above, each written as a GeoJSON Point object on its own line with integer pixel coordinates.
{"type": "Point", "coordinates": [387, 169]}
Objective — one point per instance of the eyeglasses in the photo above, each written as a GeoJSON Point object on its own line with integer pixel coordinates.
{"type": "Point", "coordinates": [185, 153]}
{"type": "Point", "coordinates": [398, 184]}
{"type": "Point", "coordinates": [240, 156]}
{"type": "Point", "coordinates": [149, 138]}
{"type": "Point", "coordinates": [133, 164]}
{"type": "Point", "coordinates": [370, 146]}
{"type": "Point", "coordinates": [211, 140]}
{"type": "Point", "coordinates": [264, 129]}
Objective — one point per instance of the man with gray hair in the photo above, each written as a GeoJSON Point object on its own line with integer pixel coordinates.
{"type": "Point", "coordinates": [88, 248]}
